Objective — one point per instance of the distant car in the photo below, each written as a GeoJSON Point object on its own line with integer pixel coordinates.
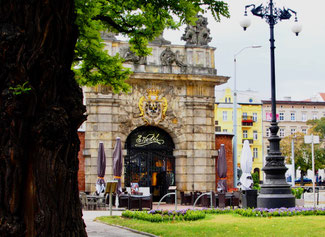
{"type": "Point", "coordinates": [306, 180]}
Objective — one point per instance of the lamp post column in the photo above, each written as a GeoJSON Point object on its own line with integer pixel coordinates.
{"type": "Point", "coordinates": [275, 192]}
{"type": "Point", "coordinates": [235, 125]}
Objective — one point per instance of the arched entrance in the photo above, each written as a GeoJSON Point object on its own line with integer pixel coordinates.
{"type": "Point", "coordinates": [149, 160]}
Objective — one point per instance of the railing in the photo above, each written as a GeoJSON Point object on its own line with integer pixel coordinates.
{"type": "Point", "coordinates": [166, 195]}
{"type": "Point", "coordinates": [247, 118]}
{"type": "Point", "coordinates": [251, 141]}
{"type": "Point", "coordinates": [203, 194]}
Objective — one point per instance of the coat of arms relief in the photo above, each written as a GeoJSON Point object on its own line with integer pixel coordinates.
{"type": "Point", "coordinates": [153, 107]}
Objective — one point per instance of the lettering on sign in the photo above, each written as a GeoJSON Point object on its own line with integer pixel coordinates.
{"type": "Point", "coordinates": [149, 139]}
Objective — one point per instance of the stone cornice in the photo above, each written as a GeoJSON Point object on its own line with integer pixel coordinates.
{"type": "Point", "coordinates": [184, 78]}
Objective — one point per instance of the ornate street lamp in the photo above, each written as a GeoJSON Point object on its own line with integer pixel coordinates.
{"type": "Point", "coordinates": [275, 191]}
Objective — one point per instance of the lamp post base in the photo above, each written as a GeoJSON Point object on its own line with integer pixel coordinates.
{"type": "Point", "coordinates": [275, 198]}
{"type": "Point", "coordinates": [275, 192]}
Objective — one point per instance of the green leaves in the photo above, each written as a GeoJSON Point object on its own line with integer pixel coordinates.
{"type": "Point", "coordinates": [139, 20]}
{"type": "Point", "coordinates": [20, 89]}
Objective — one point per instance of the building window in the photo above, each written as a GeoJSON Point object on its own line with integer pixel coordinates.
{"type": "Point", "coordinates": [293, 131]}
{"type": "Point", "coordinates": [226, 100]}
{"type": "Point", "coordinates": [268, 149]}
{"type": "Point", "coordinates": [224, 130]}
{"type": "Point", "coordinates": [304, 117]}
{"type": "Point", "coordinates": [255, 117]}
{"type": "Point", "coordinates": [229, 100]}
{"type": "Point", "coordinates": [255, 135]}
{"type": "Point", "coordinates": [281, 132]}
{"type": "Point", "coordinates": [315, 116]}
{"type": "Point", "coordinates": [244, 116]}
{"type": "Point", "coordinates": [267, 132]}
{"type": "Point", "coordinates": [281, 116]}
{"type": "Point", "coordinates": [293, 116]}
{"type": "Point", "coordinates": [304, 130]}
{"type": "Point", "coordinates": [245, 134]}
{"type": "Point", "coordinates": [224, 116]}
{"type": "Point", "coordinates": [255, 153]}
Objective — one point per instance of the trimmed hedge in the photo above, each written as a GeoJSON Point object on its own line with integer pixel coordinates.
{"type": "Point", "coordinates": [193, 215]}
{"type": "Point", "coordinates": [160, 215]}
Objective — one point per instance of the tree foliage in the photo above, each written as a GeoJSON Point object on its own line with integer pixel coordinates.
{"type": "Point", "coordinates": [318, 127]}
{"type": "Point", "coordinates": [140, 20]}
{"type": "Point", "coordinates": [302, 153]}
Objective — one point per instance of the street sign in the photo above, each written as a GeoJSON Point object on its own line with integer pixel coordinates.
{"type": "Point", "coordinates": [311, 139]}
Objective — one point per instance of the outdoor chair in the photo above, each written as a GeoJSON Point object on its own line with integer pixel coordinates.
{"type": "Point", "coordinates": [101, 202]}
{"type": "Point", "coordinates": [186, 198]}
{"type": "Point", "coordinates": [87, 204]}
{"type": "Point", "coordinates": [235, 198]}
{"type": "Point", "coordinates": [146, 202]}
{"type": "Point", "coordinates": [221, 200]}
{"type": "Point", "coordinates": [124, 200]}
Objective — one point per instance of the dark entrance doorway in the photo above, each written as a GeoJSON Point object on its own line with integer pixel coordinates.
{"type": "Point", "coordinates": [149, 160]}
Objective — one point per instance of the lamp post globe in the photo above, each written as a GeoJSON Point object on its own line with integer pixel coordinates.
{"type": "Point", "coordinates": [245, 22]}
{"type": "Point", "coordinates": [275, 191]}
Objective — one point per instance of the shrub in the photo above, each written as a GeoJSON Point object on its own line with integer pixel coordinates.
{"type": "Point", "coordinates": [297, 192]}
{"type": "Point", "coordinates": [256, 181]}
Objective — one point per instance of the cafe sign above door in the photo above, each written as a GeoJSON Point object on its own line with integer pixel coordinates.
{"type": "Point", "coordinates": [152, 138]}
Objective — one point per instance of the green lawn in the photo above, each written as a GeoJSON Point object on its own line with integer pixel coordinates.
{"type": "Point", "coordinates": [229, 225]}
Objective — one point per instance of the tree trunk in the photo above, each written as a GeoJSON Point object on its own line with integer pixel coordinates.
{"type": "Point", "coordinates": [38, 127]}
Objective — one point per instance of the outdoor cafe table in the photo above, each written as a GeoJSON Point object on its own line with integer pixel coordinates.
{"type": "Point", "coordinates": [135, 201]}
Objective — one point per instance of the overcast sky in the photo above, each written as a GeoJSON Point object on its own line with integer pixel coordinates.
{"type": "Point", "coordinates": [300, 64]}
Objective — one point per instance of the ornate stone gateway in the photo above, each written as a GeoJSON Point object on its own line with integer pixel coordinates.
{"type": "Point", "coordinates": [149, 160]}
{"type": "Point", "coordinates": [166, 123]}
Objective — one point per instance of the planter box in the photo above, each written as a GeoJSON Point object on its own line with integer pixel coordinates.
{"type": "Point", "coordinates": [300, 202]}
{"type": "Point", "coordinates": [249, 198]}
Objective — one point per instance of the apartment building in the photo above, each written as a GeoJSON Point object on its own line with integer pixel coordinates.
{"type": "Point", "coordinates": [249, 121]}
{"type": "Point", "coordinates": [292, 117]}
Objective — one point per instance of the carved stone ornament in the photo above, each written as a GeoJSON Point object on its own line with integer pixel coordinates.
{"type": "Point", "coordinates": [107, 35]}
{"type": "Point", "coordinates": [198, 34]}
{"type": "Point", "coordinates": [152, 108]}
{"type": "Point", "coordinates": [160, 40]}
{"type": "Point", "coordinates": [168, 57]}
{"type": "Point", "coordinates": [130, 56]}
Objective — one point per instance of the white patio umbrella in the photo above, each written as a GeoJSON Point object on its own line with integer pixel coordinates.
{"type": "Point", "coordinates": [246, 165]}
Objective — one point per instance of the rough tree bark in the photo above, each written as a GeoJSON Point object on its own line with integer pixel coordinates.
{"type": "Point", "coordinates": [38, 127]}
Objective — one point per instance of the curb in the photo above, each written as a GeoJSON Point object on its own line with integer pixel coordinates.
{"type": "Point", "coordinates": [129, 229]}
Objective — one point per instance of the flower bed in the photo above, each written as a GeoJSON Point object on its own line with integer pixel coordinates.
{"type": "Point", "coordinates": [293, 211]}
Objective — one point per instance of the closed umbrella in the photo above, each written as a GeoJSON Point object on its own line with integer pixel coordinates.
{"type": "Point", "coordinates": [101, 167]}
{"type": "Point", "coordinates": [246, 165]}
{"type": "Point", "coordinates": [222, 170]}
{"type": "Point", "coordinates": [117, 166]}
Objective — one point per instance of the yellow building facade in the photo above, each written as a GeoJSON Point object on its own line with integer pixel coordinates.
{"type": "Point", "coordinates": [249, 122]}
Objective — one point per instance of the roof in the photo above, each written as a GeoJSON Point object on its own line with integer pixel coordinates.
{"type": "Point", "coordinates": [291, 102]}
{"type": "Point", "coordinates": [243, 97]}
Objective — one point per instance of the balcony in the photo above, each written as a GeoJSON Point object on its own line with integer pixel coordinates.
{"type": "Point", "coordinates": [247, 121]}
{"type": "Point", "coordinates": [251, 141]}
